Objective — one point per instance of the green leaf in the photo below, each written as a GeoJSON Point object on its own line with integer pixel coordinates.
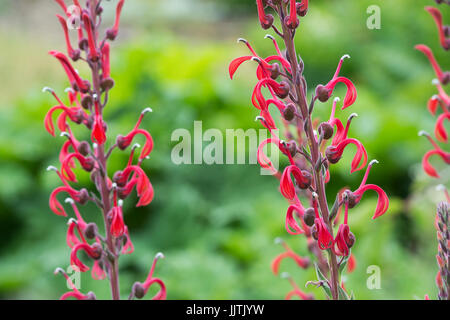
{"type": "Point", "coordinates": [343, 263]}
{"type": "Point", "coordinates": [342, 294]}
{"type": "Point", "coordinates": [325, 285]}
{"type": "Point", "coordinates": [335, 208]}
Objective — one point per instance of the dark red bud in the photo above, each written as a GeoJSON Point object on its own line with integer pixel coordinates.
{"type": "Point", "coordinates": [83, 44]}
{"type": "Point", "coordinates": [322, 93]}
{"type": "Point", "coordinates": [292, 147]}
{"type": "Point", "coordinates": [283, 90]}
{"type": "Point", "coordinates": [332, 155]}
{"type": "Point", "coordinates": [98, 250]}
{"type": "Point", "coordinates": [275, 71]}
{"type": "Point", "coordinates": [111, 34]}
{"type": "Point", "coordinates": [83, 196]}
{"type": "Point", "coordinates": [75, 55]}
{"type": "Point", "coordinates": [309, 217]}
{"type": "Point", "coordinates": [326, 130]}
{"type": "Point", "coordinates": [87, 101]}
{"type": "Point", "coordinates": [117, 178]}
{"type": "Point", "coordinates": [268, 24]}
{"type": "Point", "coordinates": [307, 180]}
{"type": "Point", "coordinates": [107, 84]}
{"type": "Point", "coordinates": [351, 240]}
{"type": "Point", "coordinates": [138, 290]}
{"type": "Point", "coordinates": [289, 112]}
{"type": "Point", "coordinates": [84, 148]}
{"type": "Point", "coordinates": [91, 230]}
{"type": "Point", "coordinates": [122, 144]}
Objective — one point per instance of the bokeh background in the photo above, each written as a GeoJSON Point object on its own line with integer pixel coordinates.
{"type": "Point", "coordinates": [216, 224]}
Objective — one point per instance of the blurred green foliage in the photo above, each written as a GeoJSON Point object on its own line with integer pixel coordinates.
{"type": "Point", "coordinates": [216, 224]}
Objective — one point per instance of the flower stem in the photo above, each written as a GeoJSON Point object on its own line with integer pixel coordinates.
{"type": "Point", "coordinates": [302, 105]}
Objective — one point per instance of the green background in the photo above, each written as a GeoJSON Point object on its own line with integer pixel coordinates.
{"type": "Point", "coordinates": [216, 224]}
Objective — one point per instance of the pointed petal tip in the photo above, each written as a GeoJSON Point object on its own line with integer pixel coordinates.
{"type": "Point", "coordinates": [52, 168]}
{"type": "Point", "coordinates": [159, 255]}
{"type": "Point", "coordinates": [146, 110]}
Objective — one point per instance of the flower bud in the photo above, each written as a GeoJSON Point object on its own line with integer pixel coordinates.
{"type": "Point", "coordinates": [268, 23]}
{"type": "Point", "coordinates": [84, 148]}
{"type": "Point", "coordinates": [275, 71]}
{"type": "Point", "coordinates": [75, 55]}
{"type": "Point", "coordinates": [107, 84]}
{"type": "Point", "coordinates": [289, 112]}
{"type": "Point", "coordinates": [87, 101]}
{"type": "Point", "coordinates": [83, 44]}
{"type": "Point", "coordinates": [99, 10]}
{"type": "Point", "coordinates": [138, 290]}
{"type": "Point", "coordinates": [445, 78]}
{"type": "Point", "coordinates": [326, 130]}
{"type": "Point", "coordinates": [332, 155]}
{"type": "Point", "coordinates": [350, 197]}
{"type": "Point", "coordinates": [309, 217]}
{"type": "Point", "coordinates": [283, 90]}
{"type": "Point", "coordinates": [322, 93]}
{"type": "Point", "coordinates": [300, 11]}
{"type": "Point", "coordinates": [98, 250]}
{"type": "Point", "coordinates": [307, 180]}
{"type": "Point", "coordinates": [292, 147]}
{"type": "Point", "coordinates": [91, 230]}
{"type": "Point", "coordinates": [83, 196]}
{"type": "Point", "coordinates": [117, 178]}
{"type": "Point", "coordinates": [122, 144]}
{"type": "Point", "coordinates": [351, 240]}
{"type": "Point", "coordinates": [111, 34]}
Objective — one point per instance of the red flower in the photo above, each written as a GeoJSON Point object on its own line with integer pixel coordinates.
{"type": "Point", "coordinates": [73, 76]}
{"type": "Point", "coordinates": [141, 289]}
{"type": "Point", "coordinates": [106, 65]}
{"type": "Point", "coordinates": [355, 197]}
{"type": "Point", "coordinates": [93, 251]}
{"type": "Point", "coordinates": [73, 54]}
{"type": "Point", "coordinates": [302, 262]}
{"type": "Point", "coordinates": [427, 167]}
{"type": "Point", "coordinates": [351, 264]}
{"type": "Point", "coordinates": [140, 180]}
{"type": "Point", "coordinates": [439, 130]}
{"type": "Point", "coordinates": [342, 241]}
{"type": "Point", "coordinates": [324, 237]}
{"type": "Point", "coordinates": [128, 246]}
{"type": "Point", "coordinates": [75, 293]}
{"type": "Point", "coordinates": [266, 20]}
{"type": "Point", "coordinates": [302, 178]}
{"type": "Point", "coordinates": [112, 33]}
{"type": "Point", "coordinates": [437, 17]}
{"type": "Point", "coordinates": [292, 20]}
{"type": "Point", "coordinates": [124, 141]}
{"type": "Point", "coordinates": [98, 131]}
{"type": "Point", "coordinates": [93, 54]}
{"type": "Point", "coordinates": [117, 224]}
{"type": "Point", "coordinates": [334, 153]}
{"type": "Point", "coordinates": [291, 223]}
{"type": "Point", "coordinates": [350, 96]}
{"type": "Point", "coordinates": [56, 206]}
{"type": "Point", "coordinates": [87, 163]}
{"type": "Point", "coordinates": [437, 69]}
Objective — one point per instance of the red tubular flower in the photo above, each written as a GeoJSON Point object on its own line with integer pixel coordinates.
{"type": "Point", "coordinates": [62, 5]}
{"type": "Point", "coordinates": [324, 237]}
{"type": "Point", "coordinates": [427, 167]}
{"type": "Point", "coordinates": [106, 65]}
{"type": "Point", "coordinates": [280, 89]}
{"type": "Point", "coordinates": [334, 153]}
{"type": "Point", "coordinates": [437, 17]}
{"type": "Point", "coordinates": [302, 262]}
{"type": "Point", "coordinates": [383, 200]}
{"type": "Point", "coordinates": [143, 186]}
{"type": "Point", "coordinates": [93, 54]}
{"type": "Point", "coordinates": [124, 142]}
{"type": "Point", "coordinates": [429, 54]}
{"type": "Point", "coordinates": [117, 224]}
{"type": "Point", "coordinates": [141, 289]}
{"type": "Point", "coordinates": [93, 251]}
{"type": "Point", "coordinates": [87, 164]}
{"type": "Point", "coordinates": [75, 114]}
{"type": "Point", "coordinates": [128, 248]}
{"type": "Point", "coordinates": [56, 206]}
{"type": "Point", "coordinates": [75, 293]}
{"type": "Point", "coordinates": [291, 223]}
{"type": "Point", "coordinates": [342, 241]}
{"type": "Point", "coordinates": [292, 20]}
{"type": "Point", "coordinates": [351, 264]}
{"type": "Point", "coordinates": [433, 103]}
{"type": "Point", "coordinates": [73, 76]}
{"type": "Point", "coordinates": [439, 130]}
{"type": "Point", "coordinates": [302, 178]}
{"type": "Point", "coordinates": [443, 97]}
{"type": "Point", "coordinates": [266, 20]}
{"type": "Point", "coordinates": [97, 271]}
{"type": "Point", "coordinates": [98, 131]}
{"type": "Point", "coordinates": [350, 96]}
{"type": "Point", "coordinates": [261, 157]}
{"type": "Point", "coordinates": [73, 54]}
{"type": "Point", "coordinates": [112, 33]}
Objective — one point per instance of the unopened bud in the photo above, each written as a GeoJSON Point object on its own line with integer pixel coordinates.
{"type": "Point", "coordinates": [84, 148]}
{"type": "Point", "coordinates": [351, 239]}
{"type": "Point", "coordinates": [87, 101]}
{"type": "Point", "coordinates": [322, 93]}
{"type": "Point", "coordinates": [289, 112]}
{"type": "Point", "coordinates": [91, 230]}
{"type": "Point", "coordinates": [138, 290]}
{"type": "Point", "coordinates": [107, 84]}
{"type": "Point", "coordinates": [306, 181]}
{"type": "Point", "coordinates": [309, 217]}
{"type": "Point", "coordinates": [326, 130]}
{"type": "Point", "coordinates": [83, 196]}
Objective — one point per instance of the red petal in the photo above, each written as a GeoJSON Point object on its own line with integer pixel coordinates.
{"type": "Point", "coordinates": [234, 65]}
{"type": "Point", "coordinates": [383, 200]}
{"type": "Point", "coordinates": [439, 129]}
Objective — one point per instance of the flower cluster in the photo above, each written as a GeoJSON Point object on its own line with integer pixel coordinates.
{"type": "Point", "coordinates": [441, 101]}
{"type": "Point", "coordinates": [86, 101]}
{"type": "Point", "coordinates": [312, 150]}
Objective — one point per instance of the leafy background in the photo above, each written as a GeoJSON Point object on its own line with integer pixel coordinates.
{"type": "Point", "coordinates": [216, 224]}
